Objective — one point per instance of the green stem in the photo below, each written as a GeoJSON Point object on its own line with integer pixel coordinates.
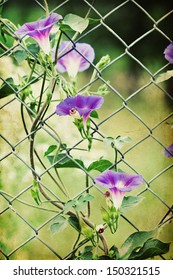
{"type": "Point", "coordinates": [32, 71]}
{"type": "Point", "coordinates": [64, 190]}
{"type": "Point", "coordinates": [41, 93]}
{"type": "Point", "coordinates": [57, 46]}
{"type": "Point", "coordinates": [38, 157]}
{"type": "Point", "coordinates": [77, 240]}
{"type": "Point", "coordinates": [28, 204]}
{"type": "Point", "coordinates": [46, 8]}
{"type": "Point", "coordinates": [3, 47]}
{"type": "Point", "coordinates": [32, 136]}
{"type": "Point", "coordinates": [116, 155]}
{"type": "Point", "coordinates": [87, 191]}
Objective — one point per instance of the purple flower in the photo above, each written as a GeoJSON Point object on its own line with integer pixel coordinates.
{"type": "Point", "coordinates": [168, 52]}
{"type": "Point", "coordinates": [118, 184]}
{"type": "Point", "coordinates": [74, 59]}
{"type": "Point", "coordinates": [39, 30]}
{"type": "Point", "coordinates": [168, 152]}
{"type": "Point", "coordinates": [79, 106]}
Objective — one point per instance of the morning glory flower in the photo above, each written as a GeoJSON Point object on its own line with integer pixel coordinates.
{"type": "Point", "coordinates": [168, 152]}
{"type": "Point", "coordinates": [118, 184]}
{"type": "Point", "coordinates": [39, 30]}
{"type": "Point", "coordinates": [74, 59]}
{"type": "Point", "coordinates": [168, 52]}
{"type": "Point", "coordinates": [79, 106]}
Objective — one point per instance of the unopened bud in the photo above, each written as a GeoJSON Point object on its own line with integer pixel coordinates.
{"type": "Point", "coordinates": [104, 61]}
{"type": "Point", "coordinates": [107, 194]}
{"type": "Point", "coordinates": [108, 199]}
{"type": "Point", "coordinates": [100, 229]}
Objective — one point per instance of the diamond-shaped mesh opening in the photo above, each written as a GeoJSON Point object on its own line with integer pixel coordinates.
{"type": "Point", "coordinates": [135, 35]}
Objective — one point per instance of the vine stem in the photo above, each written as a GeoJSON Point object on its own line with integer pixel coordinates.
{"type": "Point", "coordinates": [87, 191]}
{"type": "Point", "coordinates": [35, 176]}
{"type": "Point", "coordinates": [46, 7]}
{"type": "Point", "coordinates": [70, 213]}
{"type": "Point", "coordinates": [116, 156]}
{"type": "Point", "coordinates": [32, 137]}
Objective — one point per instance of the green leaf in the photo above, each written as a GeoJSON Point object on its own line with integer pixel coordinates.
{"type": "Point", "coordinates": [117, 142]}
{"type": "Point", "coordinates": [20, 55]}
{"type": "Point", "coordinates": [103, 89]}
{"type": "Point", "coordinates": [134, 241]}
{"type": "Point", "coordinates": [76, 23]}
{"type": "Point", "coordinates": [113, 253]}
{"type": "Point", "coordinates": [7, 88]}
{"type": "Point", "coordinates": [85, 197]}
{"type": "Point", "coordinates": [93, 20]}
{"type": "Point", "coordinates": [78, 203]}
{"type": "Point", "coordinates": [164, 76]}
{"type": "Point", "coordinates": [105, 215]}
{"type": "Point", "coordinates": [86, 256]}
{"type": "Point", "coordinates": [60, 223]}
{"type": "Point", "coordinates": [62, 147]}
{"type": "Point", "coordinates": [64, 162]}
{"type": "Point", "coordinates": [129, 202]}
{"type": "Point", "coordinates": [150, 249]}
{"type": "Point", "coordinates": [35, 193]}
{"type": "Point", "coordinates": [82, 201]}
{"type": "Point", "coordinates": [69, 205]}
{"type": "Point", "coordinates": [88, 248]}
{"type": "Point", "coordinates": [99, 165]}
{"type": "Point", "coordinates": [86, 253]}
{"type": "Point", "coordinates": [34, 48]}
{"type": "Point", "coordinates": [94, 114]}
{"type": "Point", "coordinates": [64, 27]}
{"type": "Point", "coordinates": [50, 150]}
{"type": "Point", "coordinates": [74, 222]}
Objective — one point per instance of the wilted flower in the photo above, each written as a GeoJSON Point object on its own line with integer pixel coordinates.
{"type": "Point", "coordinates": [168, 152]}
{"type": "Point", "coordinates": [118, 183]}
{"type": "Point", "coordinates": [79, 106]}
{"type": "Point", "coordinates": [168, 52]}
{"type": "Point", "coordinates": [39, 30]}
{"type": "Point", "coordinates": [74, 59]}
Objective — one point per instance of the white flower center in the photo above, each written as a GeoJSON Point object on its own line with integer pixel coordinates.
{"type": "Point", "coordinates": [72, 66]}
{"type": "Point", "coordinates": [120, 184]}
{"type": "Point", "coordinates": [74, 113]}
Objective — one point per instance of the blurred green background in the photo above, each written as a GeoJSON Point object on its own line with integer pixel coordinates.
{"type": "Point", "coordinates": [125, 75]}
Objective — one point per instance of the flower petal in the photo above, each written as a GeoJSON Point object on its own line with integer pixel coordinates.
{"type": "Point", "coordinates": [121, 181]}
{"type": "Point", "coordinates": [168, 52]}
{"type": "Point", "coordinates": [65, 106]}
{"type": "Point", "coordinates": [39, 25]}
{"type": "Point", "coordinates": [88, 53]}
{"type": "Point", "coordinates": [86, 104]}
{"type": "Point", "coordinates": [130, 182]}
{"type": "Point", "coordinates": [39, 30]}
{"type": "Point", "coordinates": [74, 59]}
{"type": "Point", "coordinates": [168, 152]}
{"type": "Point", "coordinates": [107, 179]}
{"type": "Point", "coordinates": [83, 104]}
{"type": "Point", "coordinates": [117, 197]}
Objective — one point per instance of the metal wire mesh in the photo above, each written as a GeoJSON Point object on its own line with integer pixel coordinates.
{"type": "Point", "coordinates": [133, 106]}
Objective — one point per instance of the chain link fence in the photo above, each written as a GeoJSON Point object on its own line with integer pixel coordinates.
{"type": "Point", "coordinates": [136, 106]}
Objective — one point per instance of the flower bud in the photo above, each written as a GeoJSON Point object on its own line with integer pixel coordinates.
{"type": "Point", "coordinates": [108, 199]}
{"type": "Point", "coordinates": [104, 61]}
{"type": "Point", "coordinates": [100, 228]}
